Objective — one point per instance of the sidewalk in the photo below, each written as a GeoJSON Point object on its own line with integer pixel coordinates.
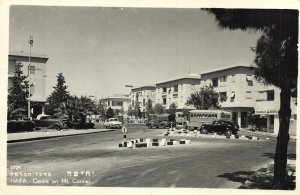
{"type": "Point", "coordinates": [49, 133]}
{"type": "Point", "coordinates": [292, 137]}
{"type": "Point", "coordinates": [262, 178]}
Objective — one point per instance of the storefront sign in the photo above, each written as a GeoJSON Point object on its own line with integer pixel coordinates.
{"type": "Point", "coordinates": [266, 112]}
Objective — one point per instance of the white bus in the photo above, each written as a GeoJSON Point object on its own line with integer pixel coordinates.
{"type": "Point", "coordinates": [198, 117]}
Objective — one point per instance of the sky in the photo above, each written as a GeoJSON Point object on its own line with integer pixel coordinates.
{"type": "Point", "coordinates": [100, 50]}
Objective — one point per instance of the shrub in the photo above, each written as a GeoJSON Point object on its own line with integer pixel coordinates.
{"type": "Point", "coordinates": [19, 126]}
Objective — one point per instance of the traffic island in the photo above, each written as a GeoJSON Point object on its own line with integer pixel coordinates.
{"type": "Point", "coordinates": [195, 133]}
{"type": "Point", "coordinates": [140, 143]}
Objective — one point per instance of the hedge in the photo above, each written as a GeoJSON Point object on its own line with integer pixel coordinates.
{"type": "Point", "coordinates": [19, 126]}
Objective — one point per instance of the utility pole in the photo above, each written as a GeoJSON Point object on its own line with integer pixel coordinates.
{"type": "Point", "coordinates": [30, 41]}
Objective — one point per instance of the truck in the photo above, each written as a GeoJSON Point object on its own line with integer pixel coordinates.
{"type": "Point", "coordinates": [113, 123]}
{"type": "Point", "coordinates": [161, 121]}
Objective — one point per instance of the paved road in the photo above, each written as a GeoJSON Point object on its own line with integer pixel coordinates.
{"type": "Point", "coordinates": [205, 163]}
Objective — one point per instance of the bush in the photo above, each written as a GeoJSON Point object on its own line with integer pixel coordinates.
{"type": "Point", "coordinates": [19, 126]}
{"type": "Point", "coordinates": [77, 125]}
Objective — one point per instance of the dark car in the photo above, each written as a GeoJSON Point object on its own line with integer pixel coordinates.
{"type": "Point", "coordinates": [46, 121]}
{"type": "Point", "coordinates": [219, 126]}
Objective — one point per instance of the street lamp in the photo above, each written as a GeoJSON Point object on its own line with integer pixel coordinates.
{"type": "Point", "coordinates": [30, 41]}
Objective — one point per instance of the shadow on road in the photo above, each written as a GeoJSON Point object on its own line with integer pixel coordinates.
{"type": "Point", "coordinates": [289, 156]}
{"type": "Point", "coordinates": [239, 176]}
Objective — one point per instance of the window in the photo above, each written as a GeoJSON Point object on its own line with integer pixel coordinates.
{"type": "Point", "coordinates": [132, 102]}
{"type": "Point", "coordinates": [223, 79]}
{"type": "Point", "coordinates": [180, 86]}
{"type": "Point", "coordinates": [32, 69]}
{"type": "Point", "coordinates": [164, 89]}
{"type": "Point", "coordinates": [249, 80]}
{"type": "Point", "coordinates": [175, 88]}
{"type": "Point", "coordinates": [270, 95]}
{"type": "Point", "coordinates": [181, 98]}
{"type": "Point", "coordinates": [215, 82]}
{"type": "Point", "coordinates": [164, 101]}
{"type": "Point", "coordinates": [223, 96]}
{"type": "Point", "coordinates": [233, 78]}
{"type": "Point", "coordinates": [32, 88]}
{"type": "Point", "coordinates": [248, 95]}
{"type": "Point", "coordinates": [169, 91]}
{"type": "Point", "coordinates": [108, 103]}
{"type": "Point", "coordinates": [192, 86]}
{"type": "Point", "coordinates": [266, 95]}
{"type": "Point", "coordinates": [175, 95]}
{"type": "Point", "coordinates": [232, 96]}
{"type": "Point", "coordinates": [114, 103]}
{"type": "Point", "coordinates": [144, 102]}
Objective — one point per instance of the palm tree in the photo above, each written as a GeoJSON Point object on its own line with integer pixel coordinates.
{"type": "Point", "coordinates": [277, 64]}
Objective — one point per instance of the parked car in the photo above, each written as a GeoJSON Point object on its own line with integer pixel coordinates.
{"type": "Point", "coordinates": [46, 121]}
{"type": "Point", "coordinates": [113, 123]}
{"type": "Point", "coordinates": [220, 127]}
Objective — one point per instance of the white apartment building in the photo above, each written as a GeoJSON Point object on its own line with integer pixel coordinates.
{"type": "Point", "coordinates": [177, 91]}
{"type": "Point", "coordinates": [117, 102]}
{"type": "Point", "coordinates": [37, 78]}
{"type": "Point", "coordinates": [142, 95]}
{"type": "Point", "coordinates": [240, 92]}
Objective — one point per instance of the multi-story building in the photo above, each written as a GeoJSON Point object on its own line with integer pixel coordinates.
{"type": "Point", "coordinates": [142, 95]}
{"type": "Point", "coordinates": [177, 91]}
{"type": "Point", "coordinates": [118, 102]}
{"type": "Point", "coordinates": [241, 93]}
{"type": "Point", "coordinates": [267, 106]}
{"type": "Point", "coordinates": [37, 78]}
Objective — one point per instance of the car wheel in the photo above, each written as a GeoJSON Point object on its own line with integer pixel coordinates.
{"type": "Point", "coordinates": [203, 131]}
{"type": "Point", "coordinates": [228, 132]}
{"type": "Point", "coordinates": [56, 127]}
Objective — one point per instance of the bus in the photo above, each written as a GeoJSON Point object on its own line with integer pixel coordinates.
{"type": "Point", "coordinates": [198, 117]}
{"type": "Point", "coordinates": [180, 119]}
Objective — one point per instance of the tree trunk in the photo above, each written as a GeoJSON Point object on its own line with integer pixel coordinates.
{"type": "Point", "coordinates": [280, 159]}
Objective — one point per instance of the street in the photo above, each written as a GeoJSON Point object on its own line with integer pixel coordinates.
{"type": "Point", "coordinates": [96, 160]}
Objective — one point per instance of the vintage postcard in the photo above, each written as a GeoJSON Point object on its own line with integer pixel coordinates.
{"type": "Point", "coordinates": [150, 98]}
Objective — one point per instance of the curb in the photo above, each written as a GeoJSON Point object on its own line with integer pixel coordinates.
{"type": "Point", "coordinates": [55, 136]}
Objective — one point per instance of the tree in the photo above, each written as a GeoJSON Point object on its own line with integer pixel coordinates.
{"type": "Point", "coordinates": [205, 99]}
{"type": "Point", "coordinates": [101, 109]}
{"type": "Point", "coordinates": [158, 109]}
{"type": "Point", "coordinates": [172, 108]}
{"type": "Point", "coordinates": [109, 113]}
{"type": "Point", "coordinates": [149, 108]}
{"type": "Point", "coordinates": [130, 111]}
{"type": "Point", "coordinates": [58, 96]}
{"type": "Point", "coordinates": [137, 111]}
{"type": "Point", "coordinates": [17, 94]}
{"type": "Point", "coordinates": [277, 64]}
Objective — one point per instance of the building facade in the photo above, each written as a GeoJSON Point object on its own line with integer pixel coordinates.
{"type": "Point", "coordinates": [177, 91]}
{"type": "Point", "coordinates": [117, 102]}
{"type": "Point", "coordinates": [241, 93]}
{"type": "Point", "coordinates": [141, 95]}
{"type": "Point", "coordinates": [36, 76]}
